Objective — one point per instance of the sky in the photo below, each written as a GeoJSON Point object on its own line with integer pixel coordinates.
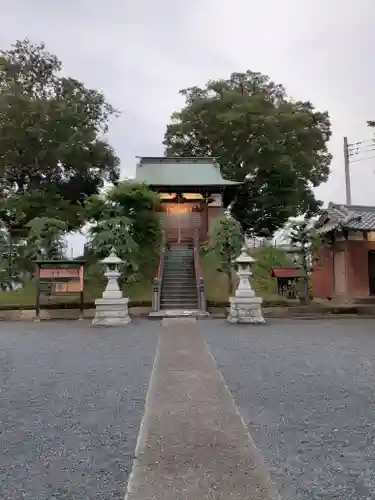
{"type": "Point", "coordinates": [140, 53]}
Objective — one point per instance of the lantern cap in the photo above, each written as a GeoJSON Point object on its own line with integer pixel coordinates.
{"type": "Point", "coordinates": [112, 259]}
{"type": "Point", "coordinates": [244, 257]}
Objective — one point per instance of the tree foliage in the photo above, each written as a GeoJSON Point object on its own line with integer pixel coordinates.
{"type": "Point", "coordinates": [46, 239]}
{"type": "Point", "coordinates": [53, 150]}
{"type": "Point", "coordinates": [226, 241]}
{"type": "Point", "coordinates": [125, 219]}
{"type": "Point", "coordinates": [11, 261]}
{"type": "Point", "coordinates": [267, 257]}
{"type": "Point", "coordinates": [253, 128]}
{"type": "Point", "coordinates": [303, 236]}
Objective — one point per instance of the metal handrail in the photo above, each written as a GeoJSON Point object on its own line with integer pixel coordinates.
{"type": "Point", "coordinates": [202, 306]}
{"type": "Point", "coordinates": [158, 280]}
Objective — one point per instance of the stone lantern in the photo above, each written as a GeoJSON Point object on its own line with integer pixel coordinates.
{"type": "Point", "coordinates": [245, 307]}
{"type": "Point", "coordinates": [112, 308]}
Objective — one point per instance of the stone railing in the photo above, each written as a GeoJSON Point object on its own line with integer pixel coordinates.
{"type": "Point", "coordinates": [158, 280]}
{"type": "Point", "coordinates": [202, 305]}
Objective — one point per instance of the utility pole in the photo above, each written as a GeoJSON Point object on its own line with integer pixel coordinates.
{"type": "Point", "coordinates": [347, 172]}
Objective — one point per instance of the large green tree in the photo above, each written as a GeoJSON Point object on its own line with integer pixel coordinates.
{"type": "Point", "coordinates": [254, 129]}
{"type": "Point", "coordinates": [45, 239]}
{"type": "Point", "coordinates": [53, 146]}
{"type": "Point", "coordinates": [124, 218]}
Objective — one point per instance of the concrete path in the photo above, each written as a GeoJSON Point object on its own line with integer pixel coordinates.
{"type": "Point", "coordinates": [193, 443]}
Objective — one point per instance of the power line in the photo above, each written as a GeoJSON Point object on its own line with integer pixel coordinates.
{"type": "Point", "coordinates": [363, 159]}
{"type": "Point", "coordinates": [359, 151]}
{"type": "Point", "coordinates": [361, 143]}
{"type": "Point", "coordinates": [355, 149]}
{"type": "Point", "coordinates": [358, 148]}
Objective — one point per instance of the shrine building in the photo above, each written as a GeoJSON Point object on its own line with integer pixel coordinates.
{"type": "Point", "coordinates": [346, 262]}
{"type": "Point", "coordinates": [190, 190]}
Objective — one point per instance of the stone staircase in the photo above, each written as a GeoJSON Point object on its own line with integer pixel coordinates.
{"type": "Point", "coordinates": [179, 289]}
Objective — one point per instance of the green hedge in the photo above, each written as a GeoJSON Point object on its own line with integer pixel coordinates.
{"type": "Point", "coordinates": [64, 305]}
{"type": "Point", "coordinates": [270, 302]}
{"type": "Point", "coordinates": [274, 302]}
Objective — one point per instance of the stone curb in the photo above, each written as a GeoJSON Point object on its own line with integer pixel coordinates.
{"type": "Point", "coordinates": [269, 313]}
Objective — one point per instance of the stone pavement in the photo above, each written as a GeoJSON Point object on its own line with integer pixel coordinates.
{"type": "Point", "coordinates": [193, 443]}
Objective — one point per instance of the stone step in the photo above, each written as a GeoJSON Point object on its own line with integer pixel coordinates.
{"type": "Point", "coordinates": [178, 265]}
{"type": "Point", "coordinates": [174, 267]}
{"type": "Point", "coordinates": [179, 289]}
{"type": "Point", "coordinates": [176, 261]}
{"type": "Point", "coordinates": [172, 263]}
{"type": "Point", "coordinates": [178, 296]}
{"type": "Point", "coordinates": [179, 256]}
{"type": "Point", "coordinates": [179, 283]}
{"type": "Point", "coordinates": [177, 276]}
{"type": "Point", "coordinates": [179, 306]}
{"type": "Point", "coordinates": [173, 255]}
{"type": "Point", "coordinates": [168, 294]}
{"type": "Point", "coordinates": [175, 283]}
{"type": "Point", "coordinates": [176, 300]}
{"type": "Point", "coordinates": [185, 253]}
{"type": "Point", "coordinates": [179, 270]}
{"type": "Point", "coordinates": [182, 250]}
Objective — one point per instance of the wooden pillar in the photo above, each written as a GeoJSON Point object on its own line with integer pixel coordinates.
{"type": "Point", "coordinates": [347, 282]}
{"type": "Point", "coordinates": [206, 230]}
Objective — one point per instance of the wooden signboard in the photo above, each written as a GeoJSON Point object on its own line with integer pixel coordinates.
{"type": "Point", "coordinates": [59, 277]}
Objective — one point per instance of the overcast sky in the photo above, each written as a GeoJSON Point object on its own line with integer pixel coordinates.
{"type": "Point", "coordinates": [141, 52]}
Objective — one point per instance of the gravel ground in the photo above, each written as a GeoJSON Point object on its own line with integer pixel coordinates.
{"type": "Point", "coordinates": [306, 390]}
{"type": "Point", "coordinates": [71, 401]}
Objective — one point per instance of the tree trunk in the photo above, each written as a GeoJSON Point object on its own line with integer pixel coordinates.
{"type": "Point", "coordinates": [304, 298]}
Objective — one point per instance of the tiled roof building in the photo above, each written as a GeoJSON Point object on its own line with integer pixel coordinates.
{"type": "Point", "coordinates": [346, 264]}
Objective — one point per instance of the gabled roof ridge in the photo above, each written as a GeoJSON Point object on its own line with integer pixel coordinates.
{"type": "Point", "coordinates": [352, 208]}
{"type": "Point", "coordinates": [209, 160]}
{"type": "Point", "coordinates": [181, 171]}
{"type": "Point", "coordinates": [345, 211]}
{"type": "Point", "coordinates": [349, 217]}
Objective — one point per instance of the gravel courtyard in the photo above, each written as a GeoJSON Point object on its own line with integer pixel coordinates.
{"type": "Point", "coordinates": [71, 401]}
{"type": "Point", "coordinates": [306, 390]}
{"type": "Point", "coordinates": [72, 397]}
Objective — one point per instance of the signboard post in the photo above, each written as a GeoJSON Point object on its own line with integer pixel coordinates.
{"type": "Point", "coordinates": [59, 277]}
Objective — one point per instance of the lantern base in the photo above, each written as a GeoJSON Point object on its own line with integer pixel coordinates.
{"type": "Point", "coordinates": [246, 310]}
{"type": "Point", "coordinates": [111, 312]}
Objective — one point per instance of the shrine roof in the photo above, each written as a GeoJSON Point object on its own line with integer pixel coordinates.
{"type": "Point", "coordinates": [181, 171]}
{"type": "Point", "coordinates": [286, 272]}
{"type": "Point", "coordinates": [346, 217]}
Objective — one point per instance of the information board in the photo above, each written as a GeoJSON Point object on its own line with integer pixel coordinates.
{"type": "Point", "coordinates": [59, 278]}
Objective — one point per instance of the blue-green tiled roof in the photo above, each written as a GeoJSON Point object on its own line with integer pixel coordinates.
{"type": "Point", "coordinates": [168, 171]}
